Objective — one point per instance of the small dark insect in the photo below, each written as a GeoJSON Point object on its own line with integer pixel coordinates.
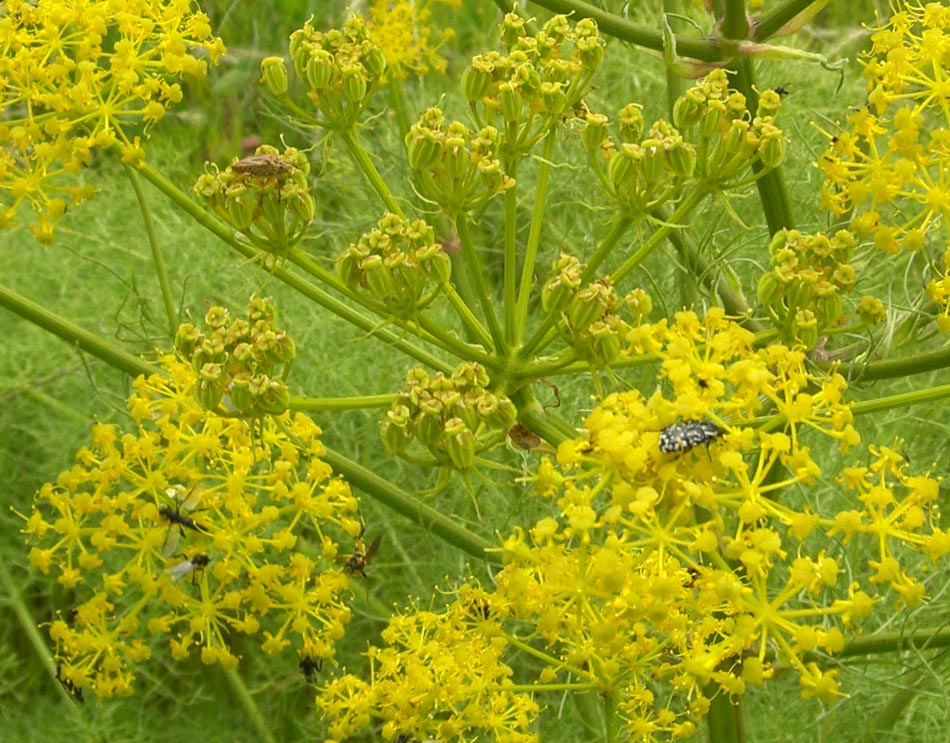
{"type": "Point", "coordinates": [188, 567]}
{"type": "Point", "coordinates": [74, 691]}
{"type": "Point", "coordinates": [782, 91]}
{"type": "Point", "coordinates": [361, 556]}
{"type": "Point", "coordinates": [178, 522]}
{"type": "Point", "coordinates": [310, 667]}
{"type": "Point", "coordinates": [681, 437]}
{"type": "Point", "coordinates": [480, 609]}
{"type": "Point", "coordinates": [262, 165]}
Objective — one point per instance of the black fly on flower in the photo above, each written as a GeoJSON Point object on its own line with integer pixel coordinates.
{"type": "Point", "coordinates": [178, 521]}
{"type": "Point", "coordinates": [188, 567]}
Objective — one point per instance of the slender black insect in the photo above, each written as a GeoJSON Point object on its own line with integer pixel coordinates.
{"type": "Point", "coordinates": [74, 691]}
{"type": "Point", "coordinates": [188, 567]}
{"type": "Point", "coordinates": [781, 90]}
{"type": "Point", "coordinates": [310, 667]}
{"type": "Point", "coordinates": [685, 435]}
{"type": "Point", "coordinates": [361, 556]}
{"type": "Point", "coordinates": [178, 521]}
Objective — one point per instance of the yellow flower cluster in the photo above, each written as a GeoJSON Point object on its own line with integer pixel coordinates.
{"type": "Point", "coordinates": [198, 529]}
{"type": "Point", "coordinates": [890, 166]}
{"type": "Point", "coordinates": [401, 28]}
{"type": "Point", "coordinates": [75, 76]}
{"type": "Point", "coordinates": [687, 557]}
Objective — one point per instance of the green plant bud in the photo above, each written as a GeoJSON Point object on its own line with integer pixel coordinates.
{"type": "Point", "coordinates": [455, 162]}
{"type": "Point", "coordinates": [395, 431]}
{"type": "Point", "coordinates": [284, 350]}
{"type": "Point", "coordinates": [590, 47]}
{"type": "Point", "coordinates": [241, 397]}
{"type": "Point", "coordinates": [298, 51]}
{"type": "Point", "coordinates": [512, 30]}
{"type": "Point", "coordinates": [830, 311]}
{"type": "Point", "coordinates": [439, 266]}
{"type": "Point", "coordinates": [772, 150]}
{"type": "Point", "coordinates": [688, 109]}
{"type": "Point", "coordinates": [603, 343]}
{"type": "Point", "coordinates": [374, 60]}
{"type": "Point", "coordinates": [319, 70]}
{"type": "Point", "coordinates": [595, 132]}
{"type": "Point", "coordinates": [654, 161]}
{"type": "Point", "coordinates": [781, 238]}
{"type": "Point", "coordinates": [347, 267]}
{"type": "Point", "coordinates": [553, 98]}
{"type": "Point", "coordinates": [423, 148]}
{"type": "Point", "coordinates": [476, 81]}
{"type": "Point", "coordinates": [871, 310]}
{"type": "Point", "coordinates": [623, 165]}
{"type": "Point", "coordinates": [274, 75]}
{"type": "Point", "coordinates": [631, 122]}
{"type": "Point", "coordinates": [303, 207]}
{"type": "Point", "coordinates": [239, 212]}
{"type": "Point", "coordinates": [711, 120]}
{"type": "Point", "coordinates": [638, 303]}
{"type": "Point", "coordinates": [506, 414]}
{"type": "Point", "coordinates": [588, 307]}
{"type": "Point", "coordinates": [510, 103]}
{"type": "Point", "coordinates": [461, 450]}
{"type": "Point", "coordinates": [208, 395]}
{"type": "Point", "coordinates": [681, 158]}
{"type": "Point", "coordinates": [186, 339]}
{"type": "Point", "coordinates": [769, 290]}
{"type": "Point", "coordinates": [354, 84]}
{"type": "Point", "coordinates": [769, 103]}
{"type": "Point", "coordinates": [805, 328]}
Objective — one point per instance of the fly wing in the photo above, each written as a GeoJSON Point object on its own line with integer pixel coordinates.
{"type": "Point", "coordinates": [171, 540]}
{"type": "Point", "coordinates": [179, 571]}
{"type": "Point", "coordinates": [190, 503]}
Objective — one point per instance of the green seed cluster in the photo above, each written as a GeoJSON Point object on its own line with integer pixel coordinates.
{"type": "Point", "coordinates": [242, 364]}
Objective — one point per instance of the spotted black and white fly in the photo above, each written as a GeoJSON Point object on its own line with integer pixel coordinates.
{"type": "Point", "coordinates": [685, 435]}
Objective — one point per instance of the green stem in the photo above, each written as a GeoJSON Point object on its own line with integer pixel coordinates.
{"type": "Point", "coordinates": [315, 293]}
{"type": "Point", "coordinates": [28, 624]}
{"type": "Point", "coordinates": [473, 269]}
{"type": "Point", "coordinates": [678, 218]}
{"type": "Point", "coordinates": [549, 426]}
{"type": "Point", "coordinates": [510, 282]}
{"type": "Point", "coordinates": [894, 642]}
{"type": "Point", "coordinates": [534, 237]}
{"type": "Point", "coordinates": [157, 259]}
{"type": "Point", "coordinates": [250, 706]}
{"type": "Point", "coordinates": [724, 721]}
{"type": "Point", "coordinates": [734, 24]}
{"type": "Point", "coordinates": [618, 228]}
{"type": "Point", "coordinates": [38, 315]}
{"type": "Point", "coordinates": [473, 327]}
{"type": "Point", "coordinates": [362, 402]}
{"type": "Point", "coordinates": [771, 22]}
{"type": "Point", "coordinates": [896, 402]}
{"type": "Point", "coordinates": [887, 717]}
{"type": "Point", "coordinates": [402, 502]}
{"type": "Point", "coordinates": [901, 367]}
{"type": "Point", "coordinates": [398, 104]}
{"type": "Point", "coordinates": [359, 154]}
{"type": "Point", "coordinates": [773, 195]}
{"type": "Point", "coordinates": [613, 25]}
